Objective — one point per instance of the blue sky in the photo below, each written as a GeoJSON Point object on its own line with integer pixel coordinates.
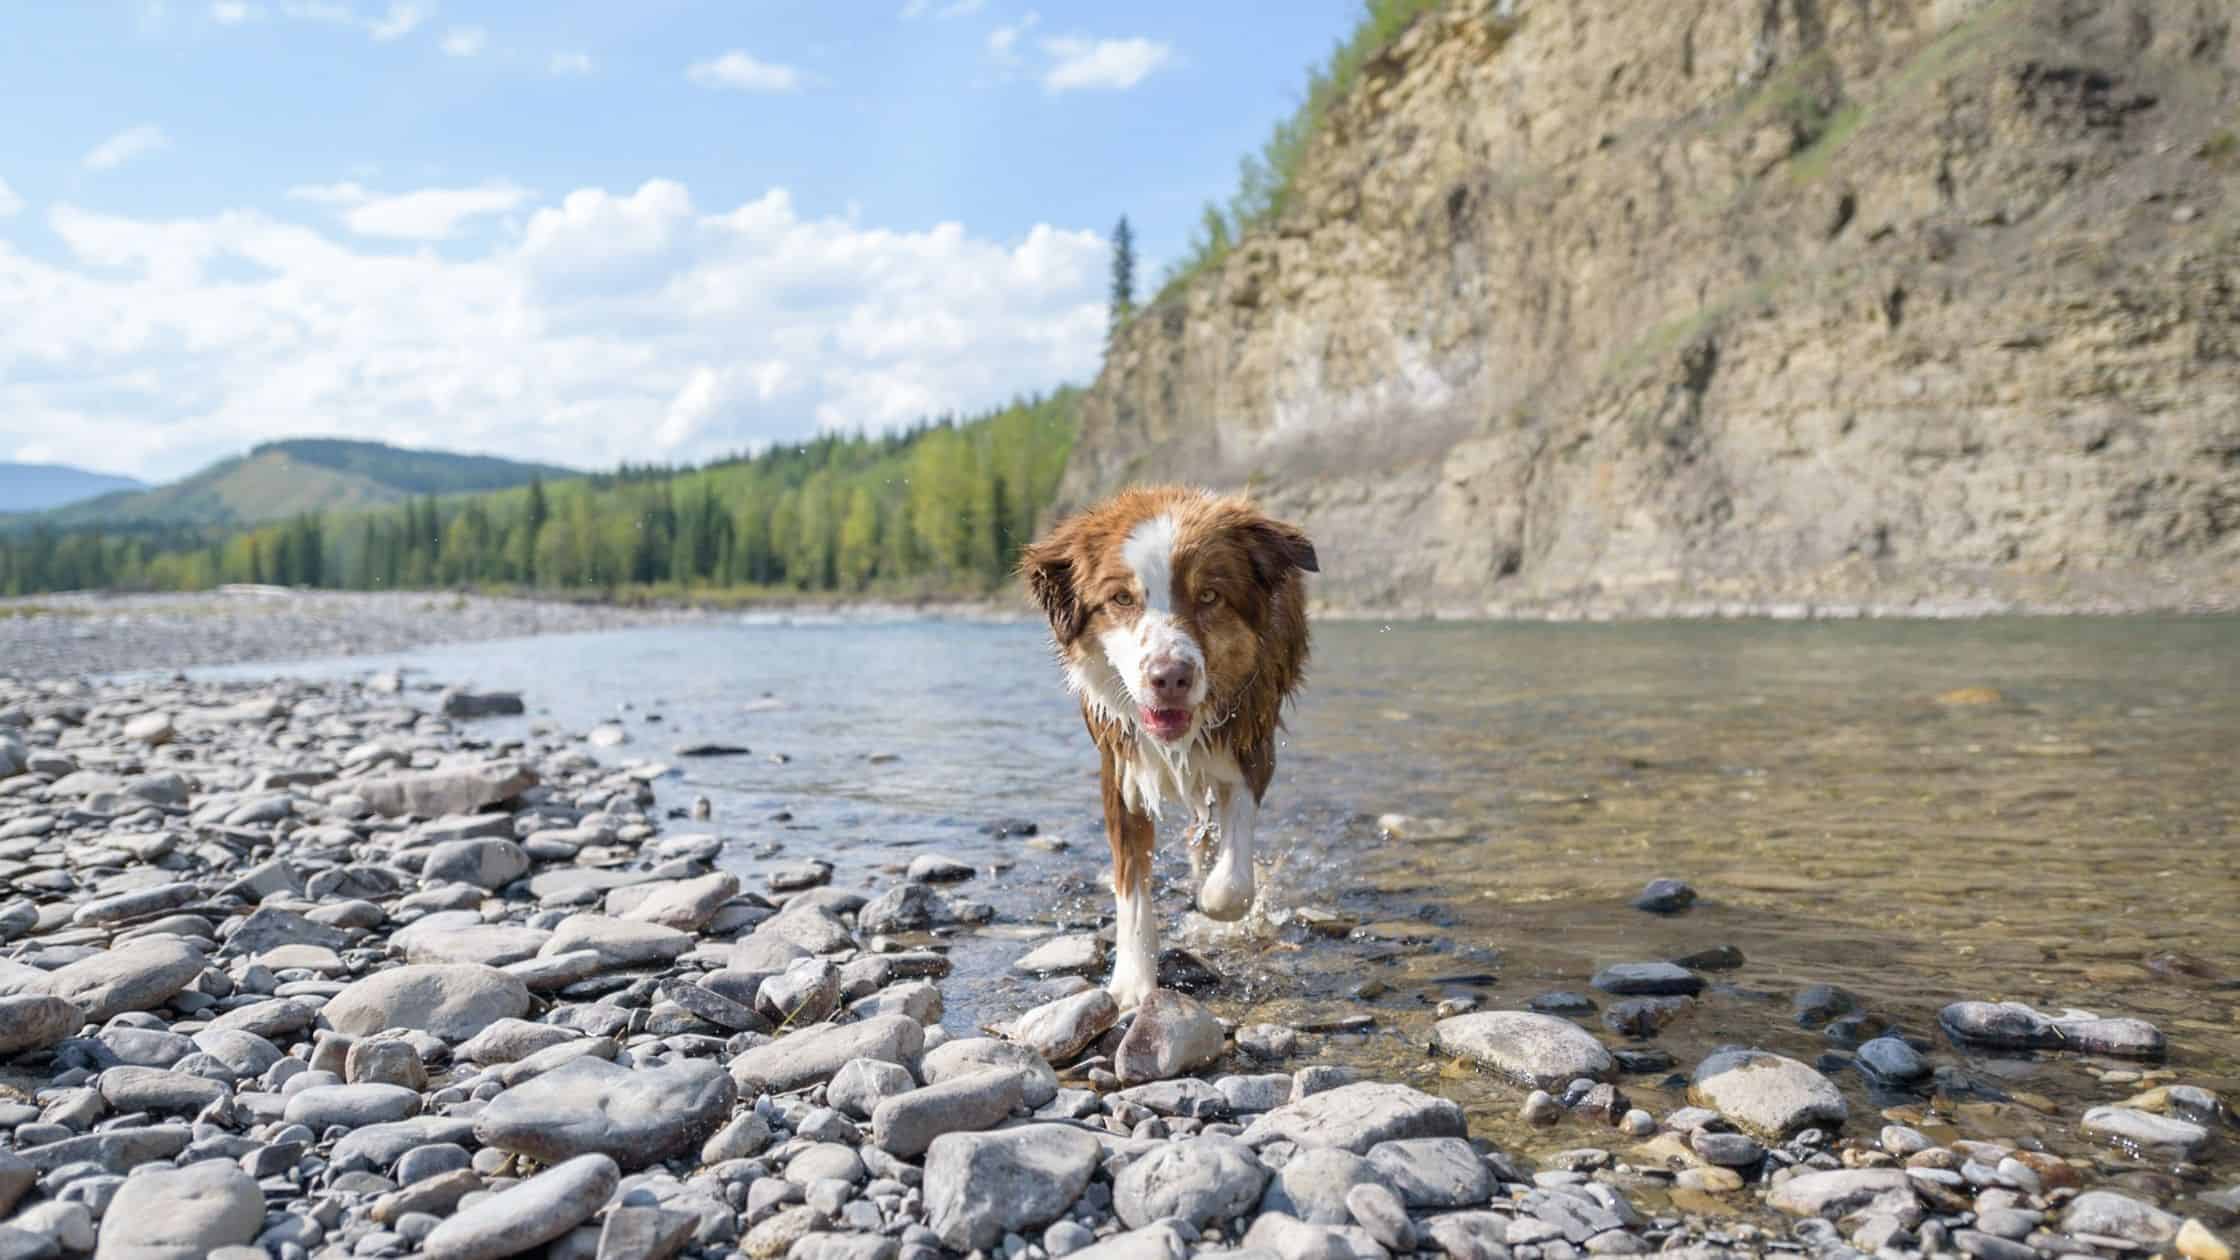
{"type": "Point", "coordinates": [584, 231]}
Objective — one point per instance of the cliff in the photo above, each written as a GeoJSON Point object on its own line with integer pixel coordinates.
{"type": "Point", "coordinates": [1605, 305]}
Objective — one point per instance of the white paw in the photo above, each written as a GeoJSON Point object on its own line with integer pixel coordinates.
{"type": "Point", "coordinates": [1227, 893]}
{"type": "Point", "coordinates": [1129, 991]}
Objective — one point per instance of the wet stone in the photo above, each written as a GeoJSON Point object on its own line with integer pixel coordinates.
{"type": "Point", "coordinates": [1766, 1094]}
{"type": "Point", "coordinates": [1665, 896]}
{"type": "Point", "coordinates": [1648, 979]}
{"type": "Point", "coordinates": [1533, 1050]}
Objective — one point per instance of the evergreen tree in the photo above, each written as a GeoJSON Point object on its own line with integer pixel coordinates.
{"type": "Point", "coordinates": [1123, 273]}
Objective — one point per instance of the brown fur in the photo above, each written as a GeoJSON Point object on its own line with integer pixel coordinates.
{"type": "Point", "coordinates": [1253, 630]}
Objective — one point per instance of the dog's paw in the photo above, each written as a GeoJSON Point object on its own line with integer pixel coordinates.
{"type": "Point", "coordinates": [1227, 893]}
{"type": "Point", "coordinates": [1129, 992]}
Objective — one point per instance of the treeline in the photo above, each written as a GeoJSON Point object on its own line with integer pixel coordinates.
{"type": "Point", "coordinates": [942, 508]}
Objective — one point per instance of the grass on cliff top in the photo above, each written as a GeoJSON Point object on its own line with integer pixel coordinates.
{"type": "Point", "coordinates": [1265, 179]}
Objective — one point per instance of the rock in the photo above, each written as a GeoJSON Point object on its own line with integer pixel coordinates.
{"type": "Point", "coordinates": [509, 1040]}
{"type": "Point", "coordinates": [1161, 1241]}
{"type": "Point", "coordinates": [1648, 979]}
{"type": "Point", "coordinates": [1840, 1192]}
{"type": "Point", "coordinates": [453, 1001]}
{"type": "Point", "coordinates": [1059, 1031]}
{"type": "Point", "coordinates": [712, 749]}
{"type": "Point", "coordinates": [528, 1215]}
{"type": "Point", "coordinates": [967, 1055]}
{"type": "Point", "coordinates": [830, 1246]}
{"type": "Point", "coordinates": [938, 868]}
{"type": "Point", "coordinates": [1816, 1004]}
{"type": "Point", "coordinates": [906, 907]}
{"type": "Point", "coordinates": [777, 1236]}
{"type": "Point", "coordinates": [1726, 1150]}
{"type": "Point", "coordinates": [1357, 1117]}
{"type": "Point", "coordinates": [981, 1186]}
{"type": "Point", "coordinates": [589, 1105]}
{"type": "Point", "coordinates": [460, 703]}
{"type": "Point", "coordinates": [130, 1089]}
{"type": "Point", "coordinates": [1665, 896]}
{"type": "Point", "coordinates": [1201, 1181]}
{"type": "Point", "coordinates": [1433, 1172]}
{"type": "Point", "coordinates": [1644, 1016]}
{"type": "Point", "coordinates": [270, 928]}
{"type": "Point", "coordinates": [152, 729]}
{"type": "Point", "coordinates": [743, 1138]}
{"type": "Point", "coordinates": [140, 903]}
{"type": "Point", "coordinates": [485, 863]}
{"type": "Point", "coordinates": [181, 1214]}
{"type": "Point", "coordinates": [2196, 1242]}
{"type": "Point", "coordinates": [1379, 1211]}
{"type": "Point", "coordinates": [351, 1106]}
{"type": "Point", "coordinates": [16, 1177]}
{"type": "Point", "coordinates": [385, 1061]}
{"type": "Point", "coordinates": [2011, 1025]}
{"type": "Point", "coordinates": [139, 975]}
{"type": "Point", "coordinates": [1078, 954]}
{"type": "Point", "coordinates": [452, 790]}
{"type": "Point", "coordinates": [618, 942]}
{"type": "Point", "coordinates": [1891, 1059]}
{"type": "Point", "coordinates": [1766, 1094]}
{"type": "Point", "coordinates": [2135, 1131]}
{"type": "Point", "coordinates": [797, 876]}
{"type": "Point", "coordinates": [1533, 1050]}
{"type": "Point", "coordinates": [1171, 1035]}
{"type": "Point", "coordinates": [687, 905]}
{"type": "Point", "coordinates": [646, 1233]}
{"type": "Point", "coordinates": [1470, 1235]}
{"type": "Point", "coordinates": [1313, 1184]}
{"type": "Point", "coordinates": [806, 992]}
{"type": "Point", "coordinates": [811, 1056]}
{"type": "Point", "coordinates": [1541, 1109]}
{"type": "Point", "coordinates": [35, 1021]}
{"type": "Point", "coordinates": [435, 940]}
{"type": "Point", "coordinates": [2110, 1215]}
{"type": "Point", "coordinates": [1292, 1239]}
{"type": "Point", "coordinates": [861, 1085]}
{"type": "Point", "coordinates": [906, 1124]}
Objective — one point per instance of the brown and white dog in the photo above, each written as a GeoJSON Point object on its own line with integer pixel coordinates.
{"type": "Point", "coordinates": [1181, 620]}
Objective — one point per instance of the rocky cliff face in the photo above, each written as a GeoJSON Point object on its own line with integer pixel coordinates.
{"type": "Point", "coordinates": [1646, 307]}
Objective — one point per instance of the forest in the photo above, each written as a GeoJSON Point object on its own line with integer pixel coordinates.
{"type": "Point", "coordinates": [941, 509]}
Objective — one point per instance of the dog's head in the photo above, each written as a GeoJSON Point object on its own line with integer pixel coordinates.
{"type": "Point", "coordinates": [1161, 601]}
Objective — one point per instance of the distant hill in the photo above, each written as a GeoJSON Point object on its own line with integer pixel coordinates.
{"type": "Point", "coordinates": [37, 487]}
{"type": "Point", "coordinates": [280, 479]}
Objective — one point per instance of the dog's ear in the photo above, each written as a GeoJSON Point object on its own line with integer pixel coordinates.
{"type": "Point", "coordinates": [1048, 568]}
{"type": "Point", "coordinates": [1277, 549]}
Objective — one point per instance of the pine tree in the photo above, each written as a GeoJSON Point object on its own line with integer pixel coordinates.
{"type": "Point", "coordinates": [1123, 273]}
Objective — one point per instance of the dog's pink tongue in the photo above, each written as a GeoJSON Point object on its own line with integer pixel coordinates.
{"type": "Point", "coordinates": [1166, 723]}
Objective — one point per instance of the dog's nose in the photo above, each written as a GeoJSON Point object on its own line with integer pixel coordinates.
{"type": "Point", "coordinates": [1170, 682]}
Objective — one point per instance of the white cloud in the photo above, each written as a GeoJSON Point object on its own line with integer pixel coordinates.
{"type": "Point", "coordinates": [615, 321]}
{"type": "Point", "coordinates": [429, 214]}
{"type": "Point", "coordinates": [1108, 64]}
{"type": "Point", "coordinates": [10, 204]}
{"type": "Point", "coordinates": [570, 63]}
{"type": "Point", "coordinates": [401, 20]}
{"type": "Point", "coordinates": [741, 71]}
{"type": "Point", "coordinates": [347, 193]}
{"type": "Point", "coordinates": [231, 12]}
{"type": "Point", "coordinates": [464, 41]}
{"type": "Point", "coordinates": [124, 146]}
{"type": "Point", "coordinates": [1003, 41]}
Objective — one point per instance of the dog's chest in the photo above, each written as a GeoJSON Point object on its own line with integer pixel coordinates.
{"type": "Point", "coordinates": [1157, 778]}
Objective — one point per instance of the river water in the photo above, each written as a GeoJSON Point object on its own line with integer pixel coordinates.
{"type": "Point", "coordinates": [1917, 812]}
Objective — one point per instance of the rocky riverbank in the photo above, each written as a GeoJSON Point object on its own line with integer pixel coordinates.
{"type": "Point", "coordinates": [51, 636]}
{"type": "Point", "coordinates": [322, 969]}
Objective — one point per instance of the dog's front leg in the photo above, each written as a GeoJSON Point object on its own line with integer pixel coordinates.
{"type": "Point", "coordinates": [1135, 973]}
{"type": "Point", "coordinates": [1226, 893]}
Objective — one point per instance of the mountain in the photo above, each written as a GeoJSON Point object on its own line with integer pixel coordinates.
{"type": "Point", "coordinates": [37, 487]}
{"type": "Point", "coordinates": [281, 479]}
{"type": "Point", "coordinates": [1912, 304]}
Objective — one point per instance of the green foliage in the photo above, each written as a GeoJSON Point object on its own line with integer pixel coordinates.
{"type": "Point", "coordinates": [943, 508]}
{"type": "Point", "coordinates": [1123, 273]}
{"type": "Point", "coordinates": [1265, 179]}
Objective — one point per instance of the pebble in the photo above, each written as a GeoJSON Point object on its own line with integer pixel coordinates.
{"type": "Point", "coordinates": [527, 1215]}
{"type": "Point", "coordinates": [588, 1105]}
{"type": "Point", "coordinates": [1767, 1094]}
{"type": "Point", "coordinates": [1665, 896]}
{"type": "Point", "coordinates": [181, 1214]}
{"type": "Point", "coordinates": [1534, 1050]}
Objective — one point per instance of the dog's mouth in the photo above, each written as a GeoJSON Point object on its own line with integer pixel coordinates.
{"type": "Point", "coordinates": [1165, 723]}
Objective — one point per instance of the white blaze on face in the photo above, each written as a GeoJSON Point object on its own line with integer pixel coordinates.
{"type": "Point", "coordinates": [1156, 635]}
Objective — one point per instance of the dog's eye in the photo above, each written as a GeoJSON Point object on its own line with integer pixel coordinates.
{"type": "Point", "coordinates": [1209, 597]}
{"type": "Point", "coordinates": [1124, 600]}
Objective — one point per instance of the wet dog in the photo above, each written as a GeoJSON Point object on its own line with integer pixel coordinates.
{"type": "Point", "coordinates": [1180, 619]}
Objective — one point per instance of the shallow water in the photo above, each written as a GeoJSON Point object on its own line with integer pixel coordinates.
{"type": "Point", "coordinates": [1844, 818]}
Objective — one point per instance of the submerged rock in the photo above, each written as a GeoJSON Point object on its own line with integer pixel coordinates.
{"type": "Point", "coordinates": [1533, 1050]}
{"type": "Point", "coordinates": [1766, 1094]}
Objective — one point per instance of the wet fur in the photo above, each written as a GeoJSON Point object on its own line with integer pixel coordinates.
{"type": "Point", "coordinates": [1252, 638]}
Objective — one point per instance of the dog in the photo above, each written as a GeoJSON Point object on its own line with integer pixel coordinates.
{"type": "Point", "coordinates": [1180, 619]}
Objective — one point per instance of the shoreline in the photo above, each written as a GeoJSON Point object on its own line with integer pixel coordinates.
{"type": "Point", "coordinates": [430, 986]}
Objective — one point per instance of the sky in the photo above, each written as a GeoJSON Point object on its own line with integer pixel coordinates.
{"type": "Point", "coordinates": [586, 231]}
